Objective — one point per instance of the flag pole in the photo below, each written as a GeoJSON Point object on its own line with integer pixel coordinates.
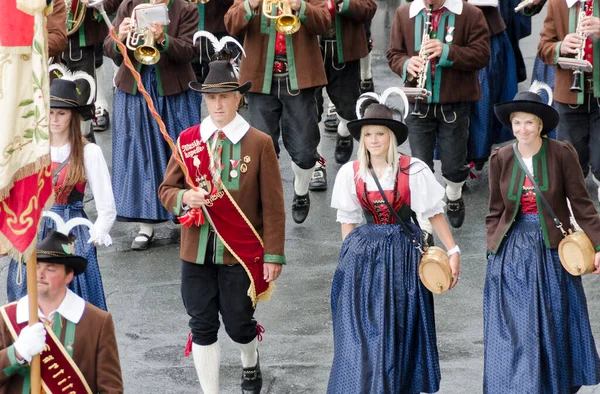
{"type": "Point", "coordinates": [35, 371]}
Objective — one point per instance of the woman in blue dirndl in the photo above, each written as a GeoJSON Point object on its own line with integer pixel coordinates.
{"type": "Point", "coordinates": [75, 163]}
{"type": "Point", "coordinates": [537, 335]}
{"type": "Point", "coordinates": [383, 317]}
{"type": "Point", "coordinates": [140, 153]}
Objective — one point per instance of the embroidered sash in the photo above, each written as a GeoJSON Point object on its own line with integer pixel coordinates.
{"type": "Point", "coordinates": [59, 372]}
{"type": "Point", "coordinates": [228, 221]}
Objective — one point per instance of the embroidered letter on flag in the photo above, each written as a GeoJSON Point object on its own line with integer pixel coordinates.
{"type": "Point", "coordinates": [25, 181]}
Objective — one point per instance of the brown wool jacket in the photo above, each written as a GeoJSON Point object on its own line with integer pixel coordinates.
{"type": "Point", "coordinates": [315, 20]}
{"type": "Point", "coordinates": [57, 29]}
{"type": "Point", "coordinates": [214, 15]}
{"type": "Point", "coordinates": [352, 18]}
{"type": "Point", "coordinates": [458, 66]}
{"type": "Point", "coordinates": [557, 172]}
{"type": "Point", "coordinates": [557, 25]}
{"type": "Point", "coordinates": [95, 352]}
{"type": "Point", "coordinates": [260, 197]}
{"type": "Point", "coordinates": [174, 70]}
{"type": "Point", "coordinates": [93, 30]}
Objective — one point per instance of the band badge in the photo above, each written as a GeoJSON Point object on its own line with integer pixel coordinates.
{"type": "Point", "coordinates": [247, 159]}
{"type": "Point", "coordinates": [449, 33]}
{"type": "Point", "coordinates": [203, 183]}
{"type": "Point", "coordinates": [234, 165]}
{"type": "Point", "coordinates": [243, 168]}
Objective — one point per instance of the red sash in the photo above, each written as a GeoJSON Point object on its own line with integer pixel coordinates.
{"type": "Point", "coordinates": [59, 372]}
{"type": "Point", "coordinates": [229, 222]}
{"type": "Point", "coordinates": [402, 191]}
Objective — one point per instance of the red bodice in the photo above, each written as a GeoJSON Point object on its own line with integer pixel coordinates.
{"type": "Point", "coordinates": [528, 202]}
{"type": "Point", "coordinates": [64, 194]}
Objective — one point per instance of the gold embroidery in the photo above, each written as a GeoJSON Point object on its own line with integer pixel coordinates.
{"type": "Point", "coordinates": [56, 375]}
{"type": "Point", "coordinates": [53, 366]}
{"type": "Point", "coordinates": [46, 360]}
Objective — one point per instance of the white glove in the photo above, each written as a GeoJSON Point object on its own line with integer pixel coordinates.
{"type": "Point", "coordinates": [31, 341]}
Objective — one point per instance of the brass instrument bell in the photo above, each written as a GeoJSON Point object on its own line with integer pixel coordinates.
{"type": "Point", "coordinates": [287, 22]}
{"type": "Point", "coordinates": [141, 41]}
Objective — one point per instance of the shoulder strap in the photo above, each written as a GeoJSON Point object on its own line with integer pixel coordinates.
{"type": "Point", "coordinates": [538, 192]}
{"type": "Point", "coordinates": [399, 220]}
{"type": "Point", "coordinates": [57, 171]}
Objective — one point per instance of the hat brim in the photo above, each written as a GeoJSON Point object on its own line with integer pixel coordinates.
{"type": "Point", "coordinates": [548, 114]}
{"type": "Point", "coordinates": [77, 263]}
{"type": "Point", "coordinates": [198, 87]}
{"type": "Point", "coordinates": [399, 129]}
{"type": "Point", "coordinates": [86, 111]}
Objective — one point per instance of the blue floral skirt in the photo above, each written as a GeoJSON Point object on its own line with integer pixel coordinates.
{"type": "Point", "coordinates": [140, 153]}
{"type": "Point", "coordinates": [537, 335]}
{"type": "Point", "coordinates": [383, 320]}
{"type": "Point", "coordinates": [87, 285]}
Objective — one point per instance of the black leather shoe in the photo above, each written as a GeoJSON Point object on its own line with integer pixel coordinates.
{"type": "Point", "coordinates": [90, 135]}
{"type": "Point", "coordinates": [456, 212]}
{"type": "Point", "coordinates": [331, 121]}
{"type": "Point", "coordinates": [252, 379]}
{"type": "Point", "coordinates": [101, 122]}
{"type": "Point", "coordinates": [318, 182]}
{"type": "Point", "coordinates": [343, 148]}
{"type": "Point", "coordinates": [366, 85]}
{"type": "Point", "coordinates": [300, 208]}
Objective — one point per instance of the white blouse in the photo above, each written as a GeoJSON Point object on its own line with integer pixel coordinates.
{"type": "Point", "coordinates": [426, 193]}
{"type": "Point", "coordinates": [98, 177]}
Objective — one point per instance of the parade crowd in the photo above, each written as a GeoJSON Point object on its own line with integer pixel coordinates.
{"type": "Point", "coordinates": [460, 63]}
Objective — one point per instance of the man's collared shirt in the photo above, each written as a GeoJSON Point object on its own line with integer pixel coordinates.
{"type": "Point", "coordinates": [234, 131]}
{"type": "Point", "coordinates": [71, 308]}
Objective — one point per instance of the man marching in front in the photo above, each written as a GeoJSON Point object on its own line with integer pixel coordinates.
{"type": "Point", "coordinates": [445, 42]}
{"type": "Point", "coordinates": [76, 340]}
{"type": "Point", "coordinates": [233, 230]}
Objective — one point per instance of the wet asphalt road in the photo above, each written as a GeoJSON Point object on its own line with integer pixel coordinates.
{"type": "Point", "coordinates": [142, 288]}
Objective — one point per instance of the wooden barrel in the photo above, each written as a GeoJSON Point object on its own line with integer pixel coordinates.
{"type": "Point", "coordinates": [434, 270]}
{"type": "Point", "coordinates": [576, 253]}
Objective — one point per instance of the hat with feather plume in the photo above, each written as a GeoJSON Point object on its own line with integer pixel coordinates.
{"type": "Point", "coordinates": [72, 90]}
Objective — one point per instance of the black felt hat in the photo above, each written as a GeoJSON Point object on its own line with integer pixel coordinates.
{"type": "Point", "coordinates": [382, 115]}
{"type": "Point", "coordinates": [57, 248]}
{"type": "Point", "coordinates": [529, 102]}
{"type": "Point", "coordinates": [221, 78]}
{"type": "Point", "coordinates": [75, 91]}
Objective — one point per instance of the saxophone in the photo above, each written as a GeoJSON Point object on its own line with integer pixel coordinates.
{"type": "Point", "coordinates": [422, 77]}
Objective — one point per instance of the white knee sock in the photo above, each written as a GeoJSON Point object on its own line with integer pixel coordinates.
{"type": "Point", "coordinates": [249, 353]}
{"type": "Point", "coordinates": [597, 182]}
{"type": "Point", "coordinates": [343, 127]}
{"type": "Point", "coordinates": [365, 67]}
{"type": "Point", "coordinates": [453, 189]}
{"type": "Point", "coordinates": [100, 95]}
{"type": "Point", "coordinates": [207, 360]}
{"type": "Point", "coordinates": [301, 179]}
{"type": "Point", "coordinates": [145, 228]}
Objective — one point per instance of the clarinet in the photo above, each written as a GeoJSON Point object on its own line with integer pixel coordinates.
{"type": "Point", "coordinates": [422, 77]}
{"type": "Point", "coordinates": [577, 73]}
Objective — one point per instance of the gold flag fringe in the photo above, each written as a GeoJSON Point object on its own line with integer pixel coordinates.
{"type": "Point", "coordinates": [24, 172]}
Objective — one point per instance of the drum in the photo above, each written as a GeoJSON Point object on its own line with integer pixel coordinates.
{"type": "Point", "coordinates": [576, 253]}
{"type": "Point", "coordinates": [434, 270]}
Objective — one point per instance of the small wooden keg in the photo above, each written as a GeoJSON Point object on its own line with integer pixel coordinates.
{"type": "Point", "coordinates": [576, 253]}
{"type": "Point", "coordinates": [434, 270]}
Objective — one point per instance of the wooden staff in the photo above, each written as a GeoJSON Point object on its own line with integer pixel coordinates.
{"type": "Point", "coordinates": [35, 371]}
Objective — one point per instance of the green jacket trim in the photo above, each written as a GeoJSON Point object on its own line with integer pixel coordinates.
{"type": "Point", "coordinates": [345, 8]}
{"type": "Point", "coordinates": [177, 207]}
{"type": "Point", "coordinates": [274, 258]}
{"type": "Point", "coordinates": [301, 12]}
{"type": "Point", "coordinates": [202, 243]}
{"type": "Point", "coordinates": [419, 20]}
{"type": "Point", "coordinates": [249, 14]}
{"type": "Point", "coordinates": [404, 75]}
{"type": "Point", "coordinates": [138, 68]}
{"type": "Point", "coordinates": [219, 251]}
{"type": "Point", "coordinates": [81, 33]}
{"type": "Point", "coordinates": [597, 248]}
{"type": "Point", "coordinates": [291, 60]}
{"type": "Point", "coordinates": [267, 28]}
{"type": "Point", "coordinates": [450, 17]}
{"type": "Point", "coordinates": [116, 48]}
{"type": "Point", "coordinates": [339, 38]}
{"type": "Point", "coordinates": [201, 12]}
{"type": "Point", "coordinates": [231, 152]}
{"type": "Point", "coordinates": [70, 328]}
{"type": "Point", "coordinates": [444, 62]}
{"type": "Point", "coordinates": [170, 4]}
{"type": "Point", "coordinates": [166, 47]}
{"type": "Point", "coordinates": [557, 51]}
{"type": "Point", "coordinates": [15, 366]}
{"type": "Point", "coordinates": [159, 81]}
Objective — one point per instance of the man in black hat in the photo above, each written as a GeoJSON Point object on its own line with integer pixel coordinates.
{"type": "Point", "coordinates": [73, 336]}
{"type": "Point", "coordinates": [234, 226]}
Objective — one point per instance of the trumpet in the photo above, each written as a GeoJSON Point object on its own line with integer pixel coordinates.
{"type": "Point", "coordinates": [287, 22]}
{"type": "Point", "coordinates": [141, 41]}
{"type": "Point", "coordinates": [75, 15]}
{"type": "Point", "coordinates": [422, 77]}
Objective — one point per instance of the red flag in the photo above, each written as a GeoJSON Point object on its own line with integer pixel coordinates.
{"type": "Point", "coordinates": [25, 178]}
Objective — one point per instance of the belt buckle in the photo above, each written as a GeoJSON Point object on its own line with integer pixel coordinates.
{"type": "Point", "coordinates": [280, 67]}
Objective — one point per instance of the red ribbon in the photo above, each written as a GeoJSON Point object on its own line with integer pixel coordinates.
{"type": "Point", "coordinates": [188, 346]}
{"type": "Point", "coordinates": [472, 174]}
{"type": "Point", "coordinates": [193, 216]}
{"type": "Point", "coordinates": [259, 331]}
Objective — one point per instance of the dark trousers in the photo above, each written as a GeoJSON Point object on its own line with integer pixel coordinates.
{"type": "Point", "coordinates": [291, 114]}
{"type": "Point", "coordinates": [206, 290]}
{"type": "Point", "coordinates": [343, 82]}
{"type": "Point", "coordinates": [448, 125]}
{"type": "Point", "coordinates": [78, 58]}
{"type": "Point", "coordinates": [580, 125]}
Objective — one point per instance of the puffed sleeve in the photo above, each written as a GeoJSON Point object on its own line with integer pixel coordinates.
{"type": "Point", "coordinates": [98, 177]}
{"type": "Point", "coordinates": [426, 193]}
{"type": "Point", "coordinates": [344, 197]}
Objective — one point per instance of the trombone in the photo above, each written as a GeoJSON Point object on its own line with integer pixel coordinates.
{"type": "Point", "coordinates": [287, 22]}
{"type": "Point", "coordinates": [141, 40]}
